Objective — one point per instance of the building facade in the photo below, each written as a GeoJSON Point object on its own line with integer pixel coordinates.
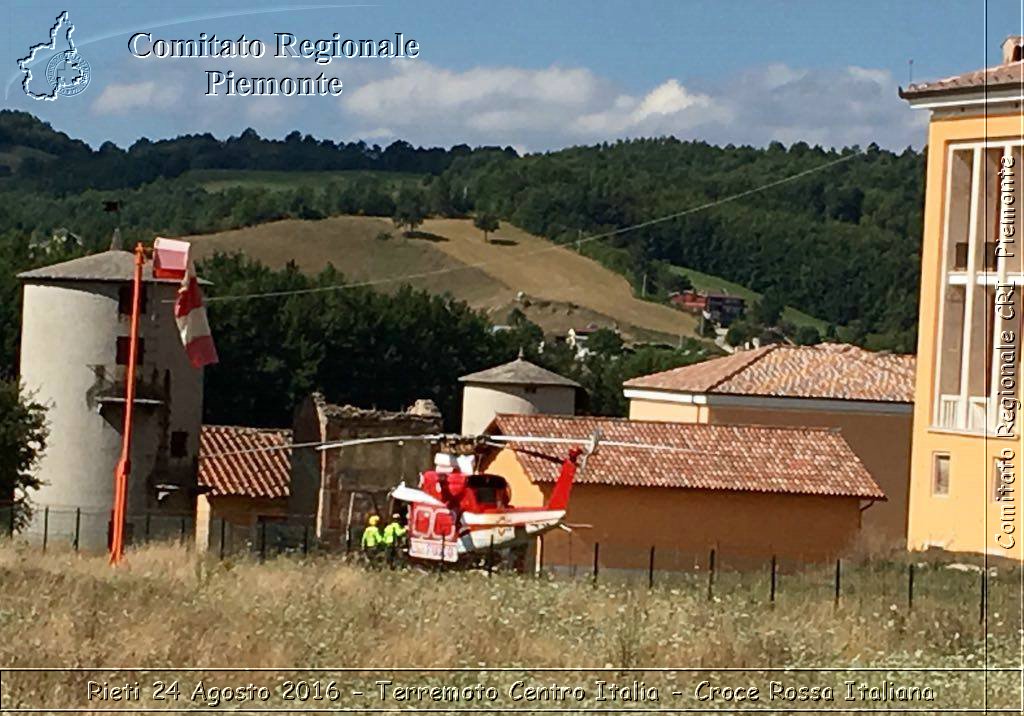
{"type": "Point", "coordinates": [244, 485]}
{"type": "Point", "coordinates": [965, 494]}
{"type": "Point", "coordinates": [516, 387]}
{"type": "Point", "coordinates": [867, 396]}
{"type": "Point", "coordinates": [74, 355]}
{"type": "Point", "coordinates": [747, 492]}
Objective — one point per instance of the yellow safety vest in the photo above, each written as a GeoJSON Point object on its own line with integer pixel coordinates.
{"type": "Point", "coordinates": [393, 532]}
{"type": "Point", "coordinates": [372, 536]}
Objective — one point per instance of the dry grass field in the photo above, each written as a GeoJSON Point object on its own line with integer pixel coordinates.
{"type": "Point", "coordinates": [565, 289]}
{"type": "Point", "coordinates": [166, 609]}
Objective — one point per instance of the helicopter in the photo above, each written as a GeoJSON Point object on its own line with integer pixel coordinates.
{"type": "Point", "coordinates": [456, 513]}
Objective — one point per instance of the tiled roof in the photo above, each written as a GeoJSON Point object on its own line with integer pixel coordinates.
{"type": "Point", "coordinates": [1000, 76]}
{"type": "Point", "coordinates": [831, 370]}
{"type": "Point", "coordinates": [804, 461]}
{"type": "Point", "coordinates": [114, 265]}
{"type": "Point", "coordinates": [250, 471]}
{"type": "Point", "coordinates": [518, 372]}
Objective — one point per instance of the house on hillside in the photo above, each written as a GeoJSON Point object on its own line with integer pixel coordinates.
{"type": "Point", "coordinates": [867, 396]}
{"type": "Point", "coordinates": [965, 475]}
{"type": "Point", "coordinates": [748, 492]}
{"type": "Point", "coordinates": [244, 481]}
{"type": "Point", "coordinates": [719, 308]}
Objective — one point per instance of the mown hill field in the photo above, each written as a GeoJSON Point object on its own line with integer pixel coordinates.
{"type": "Point", "coordinates": [562, 289]}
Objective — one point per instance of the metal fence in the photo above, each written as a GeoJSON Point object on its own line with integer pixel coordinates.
{"type": "Point", "coordinates": [903, 579]}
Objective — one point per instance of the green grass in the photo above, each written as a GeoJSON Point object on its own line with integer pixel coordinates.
{"type": "Point", "coordinates": [223, 179]}
{"type": "Point", "coordinates": [707, 282]}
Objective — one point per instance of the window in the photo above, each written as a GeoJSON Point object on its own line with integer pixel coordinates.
{"type": "Point", "coordinates": [124, 300]}
{"type": "Point", "coordinates": [179, 443]}
{"type": "Point", "coordinates": [124, 347]}
{"type": "Point", "coordinates": [940, 475]}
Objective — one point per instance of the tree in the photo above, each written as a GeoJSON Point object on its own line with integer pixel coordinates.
{"type": "Point", "coordinates": [807, 336]}
{"type": "Point", "coordinates": [605, 341]}
{"type": "Point", "coordinates": [486, 222]}
{"type": "Point", "coordinates": [739, 333]}
{"type": "Point", "coordinates": [768, 310]}
{"type": "Point", "coordinates": [23, 434]}
{"type": "Point", "coordinates": [410, 209]}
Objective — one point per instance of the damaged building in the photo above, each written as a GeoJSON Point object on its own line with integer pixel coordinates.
{"type": "Point", "coordinates": [337, 489]}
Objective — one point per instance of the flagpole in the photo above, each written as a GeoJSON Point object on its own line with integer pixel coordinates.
{"type": "Point", "coordinates": [124, 467]}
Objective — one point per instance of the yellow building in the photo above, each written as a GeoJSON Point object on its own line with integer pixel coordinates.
{"type": "Point", "coordinates": [748, 492]}
{"type": "Point", "coordinates": [867, 396]}
{"type": "Point", "coordinates": [967, 447]}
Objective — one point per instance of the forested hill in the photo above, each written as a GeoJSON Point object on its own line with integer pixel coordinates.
{"type": "Point", "coordinates": [841, 244]}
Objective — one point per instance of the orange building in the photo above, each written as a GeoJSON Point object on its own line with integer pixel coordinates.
{"type": "Point", "coordinates": [867, 396]}
{"type": "Point", "coordinates": [967, 447]}
{"type": "Point", "coordinates": [749, 492]}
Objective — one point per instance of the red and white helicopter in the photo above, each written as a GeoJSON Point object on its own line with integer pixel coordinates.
{"type": "Point", "coordinates": [457, 512]}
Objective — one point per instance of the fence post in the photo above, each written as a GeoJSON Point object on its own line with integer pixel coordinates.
{"type": "Point", "coordinates": [78, 526]}
{"type": "Point", "coordinates": [440, 570]}
{"type": "Point", "coordinates": [46, 526]}
{"type": "Point", "coordinates": [650, 570]}
{"type": "Point", "coordinates": [984, 595]}
{"type": "Point", "coordinates": [839, 577]}
{"type": "Point", "coordinates": [223, 534]}
{"type": "Point", "coordinates": [305, 539]}
{"type": "Point", "coordinates": [10, 520]}
{"type": "Point", "coordinates": [263, 541]}
{"type": "Point", "coordinates": [774, 580]}
{"type": "Point", "coordinates": [597, 551]}
{"type": "Point", "coordinates": [148, 516]}
{"type": "Point", "coordinates": [910, 586]}
{"type": "Point", "coordinates": [490, 557]}
{"type": "Point", "coordinates": [711, 574]}
{"type": "Point", "coordinates": [183, 529]}
{"type": "Point", "coordinates": [348, 539]}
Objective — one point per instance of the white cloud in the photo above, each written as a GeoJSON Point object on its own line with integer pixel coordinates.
{"type": "Point", "coordinates": [542, 108]}
{"type": "Point", "coordinates": [118, 98]}
{"type": "Point", "coordinates": [557, 106]}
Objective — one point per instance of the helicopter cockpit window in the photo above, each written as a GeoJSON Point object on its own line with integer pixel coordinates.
{"type": "Point", "coordinates": [489, 489]}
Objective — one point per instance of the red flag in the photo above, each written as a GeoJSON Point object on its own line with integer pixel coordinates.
{"type": "Point", "coordinates": [170, 260]}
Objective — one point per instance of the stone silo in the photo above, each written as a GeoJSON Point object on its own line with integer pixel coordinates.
{"type": "Point", "coordinates": [519, 387]}
{"type": "Point", "coordinates": [74, 355]}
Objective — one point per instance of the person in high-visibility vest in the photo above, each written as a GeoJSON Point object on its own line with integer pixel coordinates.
{"type": "Point", "coordinates": [394, 532]}
{"type": "Point", "coordinates": [394, 535]}
{"type": "Point", "coordinates": [372, 538]}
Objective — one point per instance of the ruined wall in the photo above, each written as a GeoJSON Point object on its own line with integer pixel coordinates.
{"type": "Point", "coordinates": [352, 483]}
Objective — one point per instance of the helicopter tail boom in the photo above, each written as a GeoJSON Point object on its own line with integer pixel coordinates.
{"type": "Point", "coordinates": [559, 499]}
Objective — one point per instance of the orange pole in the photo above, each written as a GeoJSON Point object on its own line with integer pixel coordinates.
{"type": "Point", "coordinates": [124, 465]}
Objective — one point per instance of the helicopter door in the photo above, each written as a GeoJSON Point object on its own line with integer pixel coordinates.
{"type": "Point", "coordinates": [433, 531]}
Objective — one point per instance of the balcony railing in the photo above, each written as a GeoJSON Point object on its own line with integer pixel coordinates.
{"type": "Point", "coordinates": [949, 412]}
{"type": "Point", "coordinates": [954, 415]}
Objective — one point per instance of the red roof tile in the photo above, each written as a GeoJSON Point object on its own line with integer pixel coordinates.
{"type": "Point", "coordinates": [749, 458]}
{"type": "Point", "coordinates": [831, 371]}
{"type": "Point", "coordinates": [244, 467]}
{"type": "Point", "coordinates": [1008, 75]}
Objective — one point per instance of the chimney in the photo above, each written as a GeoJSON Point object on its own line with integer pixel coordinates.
{"type": "Point", "coordinates": [1012, 49]}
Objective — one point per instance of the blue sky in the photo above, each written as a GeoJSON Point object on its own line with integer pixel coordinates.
{"type": "Point", "coordinates": [536, 75]}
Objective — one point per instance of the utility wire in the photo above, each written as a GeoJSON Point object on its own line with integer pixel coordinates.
{"type": "Point", "coordinates": [553, 247]}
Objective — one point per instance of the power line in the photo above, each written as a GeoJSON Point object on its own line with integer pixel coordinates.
{"type": "Point", "coordinates": [553, 247]}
